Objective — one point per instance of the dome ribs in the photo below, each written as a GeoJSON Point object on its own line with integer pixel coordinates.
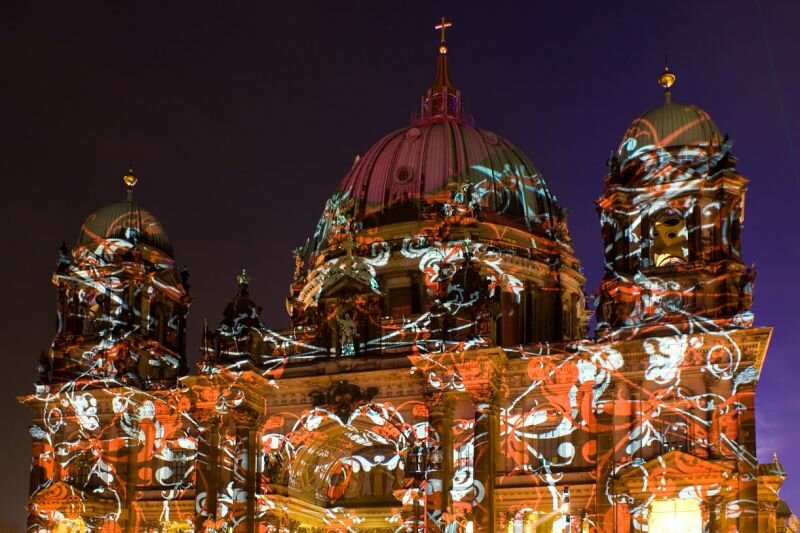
{"type": "Point", "coordinates": [420, 162]}
{"type": "Point", "coordinates": [439, 166]}
{"type": "Point", "coordinates": [670, 127]}
{"type": "Point", "coordinates": [474, 153]}
{"type": "Point", "coordinates": [389, 170]}
{"type": "Point", "coordinates": [374, 192]}
{"type": "Point", "coordinates": [458, 152]}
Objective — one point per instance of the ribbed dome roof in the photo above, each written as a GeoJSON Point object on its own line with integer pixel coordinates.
{"type": "Point", "coordinates": [124, 220]}
{"type": "Point", "coordinates": [443, 160]}
{"type": "Point", "coordinates": [670, 126]}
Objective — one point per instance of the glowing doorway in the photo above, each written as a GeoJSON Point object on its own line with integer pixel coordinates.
{"type": "Point", "coordinates": [667, 516]}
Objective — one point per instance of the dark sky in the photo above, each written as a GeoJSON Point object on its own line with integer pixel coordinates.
{"type": "Point", "coordinates": [242, 120]}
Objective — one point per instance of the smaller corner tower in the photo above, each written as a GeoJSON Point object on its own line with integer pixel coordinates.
{"type": "Point", "coordinates": [122, 302]}
{"type": "Point", "coordinates": [671, 217]}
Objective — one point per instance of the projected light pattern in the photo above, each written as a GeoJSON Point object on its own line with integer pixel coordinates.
{"type": "Point", "coordinates": [672, 239]}
{"type": "Point", "coordinates": [437, 375]}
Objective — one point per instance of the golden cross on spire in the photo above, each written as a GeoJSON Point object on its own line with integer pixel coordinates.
{"type": "Point", "coordinates": [443, 26]}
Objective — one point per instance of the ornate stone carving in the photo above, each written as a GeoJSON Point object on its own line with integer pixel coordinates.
{"type": "Point", "coordinates": [343, 397]}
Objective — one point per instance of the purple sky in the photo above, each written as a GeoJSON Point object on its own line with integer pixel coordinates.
{"type": "Point", "coordinates": [241, 122]}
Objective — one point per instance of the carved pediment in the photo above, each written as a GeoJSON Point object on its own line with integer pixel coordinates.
{"type": "Point", "coordinates": [667, 475]}
{"type": "Point", "coordinates": [344, 285]}
{"type": "Point", "coordinates": [678, 463]}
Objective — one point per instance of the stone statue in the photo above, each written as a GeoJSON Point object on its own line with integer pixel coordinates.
{"type": "Point", "coordinates": [348, 331]}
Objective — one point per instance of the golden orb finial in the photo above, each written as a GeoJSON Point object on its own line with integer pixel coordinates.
{"type": "Point", "coordinates": [130, 179]}
{"type": "Point", "coordinates": [667, 78]}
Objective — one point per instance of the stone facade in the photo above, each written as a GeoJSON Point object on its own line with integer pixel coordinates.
{"type": "Point", "coordinates": [438, 374]}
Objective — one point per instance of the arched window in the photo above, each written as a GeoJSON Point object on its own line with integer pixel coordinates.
{"type": "Point", "coordinates": [670, 239]}
{"type": "Point", "coordinates": [667, 516]}
{"type": "Point", "coordinates": [159, 315]}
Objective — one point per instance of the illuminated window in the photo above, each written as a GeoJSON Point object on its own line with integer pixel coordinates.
{"type": "Point", "coordinates": [70, 525]}
{"type": "Point", "coordinates": [176, 527]}
{"type": "Point", "coordinates": [670, 239]}
{"type": "Point", "coordinates": [667, 516]}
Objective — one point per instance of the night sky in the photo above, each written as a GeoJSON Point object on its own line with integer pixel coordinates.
{"type": "Point", "coordinates": [241, 121]}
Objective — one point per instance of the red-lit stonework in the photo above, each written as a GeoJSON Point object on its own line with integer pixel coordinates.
{"type": "Point", "coordinates": [438, 374]}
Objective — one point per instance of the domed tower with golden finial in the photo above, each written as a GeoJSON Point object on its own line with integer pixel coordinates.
{"type": "Point", "coordinates": [671, 216]}
{"type": "Point", "coordinates": [122, 302]}
{"type": "Point", "coordinates": [675, 304]}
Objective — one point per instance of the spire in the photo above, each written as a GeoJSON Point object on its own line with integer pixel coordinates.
{"type": "Point", "coordinates": [442, 99]}
{"type": "Point", "coordinates": [667, 80]}
{"type": "Point", "coordinates": [348, 246]}
{"type": "Point", "coordinates": [442, 78]}
{"type": "Point", "coordinates": [130, 181]}
{"type": "Point", "coordinates": [443, 26]}
{"type": "Point", "coordinates": [244, 281]}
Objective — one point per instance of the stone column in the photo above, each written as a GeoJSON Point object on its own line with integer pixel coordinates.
{"type": "Point", "coordinates": [712, 387]}
{"type": "Point", "coordinates": [482, 373]}
{"type": "Point", "coordinates": [486, 443]}
{"type": "Point", "coordinates": [722, 516]}
{"type": "Point", "coordinates": [439, 477]}
{"type": "Point", "coordinates": [707, 516]}
{"type": "Point", "coordinates": [766, 517]}
{"type": "Point", "coordinates": [244, 466]}
{"type": "Point", "coordinates": [252, 475]}
{"type": "Point", "coordinates": [748, 475]}
{"type": "Point", "coordinates": [713, 511]}
{"type": "Point", "coordinates": [132, 468]}
{"type": "Point", "coordinates": [207, 470]}
{"type": "Point", "coordinates": [621, 426]}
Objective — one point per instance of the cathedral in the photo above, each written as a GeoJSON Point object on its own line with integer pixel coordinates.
{"type": "Point", "coordinates": [438, 373]}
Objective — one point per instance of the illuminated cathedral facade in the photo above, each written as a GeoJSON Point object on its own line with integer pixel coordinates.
{"type": "Point", "coordinates": [438, 374]}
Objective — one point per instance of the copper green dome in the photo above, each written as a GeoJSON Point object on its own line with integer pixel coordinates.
{"type": "Point", "coordinates": [124, 220]}
{"type": "Point", "coordinates": [671, 127]}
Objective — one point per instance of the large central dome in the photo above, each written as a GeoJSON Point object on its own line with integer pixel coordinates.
{"type": "Point", "coordinates": [443, 217]}
{"type": "Point", "coordinates": [439, 167]}
{"type": "Point", "coordinates": [417, 171]}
